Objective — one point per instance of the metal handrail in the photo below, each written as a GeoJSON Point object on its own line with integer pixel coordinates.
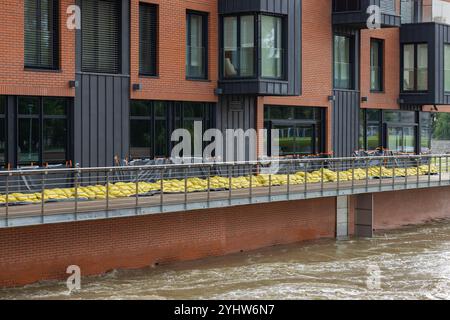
{"type": "Point", "coordinates": [263, 162]}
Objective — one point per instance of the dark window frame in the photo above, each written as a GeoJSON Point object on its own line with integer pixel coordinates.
{"type": "Point", "coordinates": [257, 54]}
{"type": "Point", "coordinates": [446, 45]}
{"type": "Point", "coordinates": [119, 62]}
{"type": "Point", "coordinates": [238, 41]}
{"type": "Point", "coordinates": [416, 63]}
{"type": "Point", "coordinates": [154, 60]}
{"type": "Point", "coordinates": [380, 66]}
{"type": "Point", "coordinates": [174, 117]}
{"type": "Point", "coordinates": [55, 49]}
{"type": "Point", "coordinates": [347, 7]}
{"type": "Point", "coordinates": [205, 43]}
{"type": "Point", "coordinates": [284, 45]}
{"type": "Point", "coordinates": [41, 116]}
{"type": "Point", "coordinates": [384, 124]}
{"type": "Point", "coordinates": [318, 125]}
{"type": "Point", "coordinates": [352, 61]}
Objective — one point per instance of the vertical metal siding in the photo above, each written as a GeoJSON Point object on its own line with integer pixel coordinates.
{"type": "Point", "coordinates": [101, 110]}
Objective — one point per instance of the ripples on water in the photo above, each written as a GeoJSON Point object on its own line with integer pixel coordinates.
{"type": "Point", "coordinates": [414, 264]}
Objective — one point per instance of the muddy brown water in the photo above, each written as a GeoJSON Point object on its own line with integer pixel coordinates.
{"type": "Point", "coordinates": [412, 263]}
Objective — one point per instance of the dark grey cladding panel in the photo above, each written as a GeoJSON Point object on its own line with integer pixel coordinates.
{"type": "Point", "coordinates": [436, 35]}
{"type": "Point", "coordinates": [236, 112]}
{"type": "Point", "coordinates": [255, 87]}
{"type": "Point", "coordinates": [236, 6]}
{"type": "Point", "coordinates": [345, 122]}
{"type": "Point", "coordinates": [101, 119]}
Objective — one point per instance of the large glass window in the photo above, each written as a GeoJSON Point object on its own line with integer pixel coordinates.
{"type": "Point", "coordinates": [425, 132]}
{"type": "Point", "coordinates": [100, 36]}
{"type": "Point", "coordinates": [415, 67]}
{"type": "Point", "coordinates": [300, 129]}
{"type": "Point", "coordinates": [41, 34]}
{"type": "Point", "coordinates": [148, 39]}
{"type": "Point", "coordinates": [2, 130]}
{"type": "Point", "coordinates": [376, 65]}
{"type": "Point", "coordinates": [196, 45]}
{"type": "Point", "coordinates": [401, 139]}
{"type": "Point", "coordinates": [271, 46]}
{"type": "Point", "coordinates": [148, 129]}
{"type": "Point", "coordinates": [343, 62]}
{"type": "Point", "coordinates": [447, 67]}
{"type": "Point", "coordinates": [239, 46]}
{"type": "Point", "coordinates": [240, 35]}
{"type": "Point", "coordinates": [42, 130]}
{"type": "Point", "coordinates": [152, 122]}
{"type": "Point", "coordinates": [422, 67]}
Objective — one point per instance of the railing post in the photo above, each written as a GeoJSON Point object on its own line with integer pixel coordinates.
{"type": "Point", "coordinates": [7, 200]}
{"type": "Point", "coordinates": [185, 188]}
{"type": "Point", "coordinates": [43, 197]}
{"type": "Point", "coordinates": [209, 187]}
{"type": "Point", "coordinates": [338, 184]}
{"type": "Point", "coordinates": [380, 185]}
{"type": "Point", "coordinates": [305, 166]}
{"type": "Point", "coordinates": [137, 189]}
{"type": "Point", "coordinates": [230, 184]}
{"type": "Point", "coordinates": [393, 174]}
{"type": "Point", "coordinates": [107, 191]}
{"type": "Point", "coordinates": [440, 171]}
{"type": "Point", "coordinates": [429, 171]}
{"type": "Point", "coordinates": [353, 176]}
{"type": "Point", "coordinates": [289, 180]}
{"type": "Point", "coordinates": [418, 173]}
{"type": "Point", "coordinates": [162, 190]}
{"type": "Point", "coordinates": [76, 194]}
{"type": "Point", "coordinates": [366, 163]}
{"type": "Point", "coordinates": [251, 184]}
{"type": "Point", "coordinates": [322, 182]}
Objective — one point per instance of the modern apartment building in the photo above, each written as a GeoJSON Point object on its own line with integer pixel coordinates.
{"type": "Point", "coordinates": [137, 70]}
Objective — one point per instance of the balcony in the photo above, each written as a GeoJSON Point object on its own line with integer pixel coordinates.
{"type": "Point", "coordinates": [355, 13]}
{"type": "Point", "coordinates": [260, 45]}
{"type": "Point", "coordinates": [423, 11]}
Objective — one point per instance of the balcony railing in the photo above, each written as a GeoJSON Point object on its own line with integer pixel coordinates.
{"type": "Point", "coordinates": [63, 195]}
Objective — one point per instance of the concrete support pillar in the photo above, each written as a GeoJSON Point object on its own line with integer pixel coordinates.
{"type": "Point", "coordinates": [364, 215]}
{"type": "Point", "coordinates": [342, 212]}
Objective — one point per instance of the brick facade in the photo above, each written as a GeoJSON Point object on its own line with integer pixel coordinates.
{"type": "Point", "coordinates": [44, 252]}
{"type": "Point", "coordinates": [14, 79]}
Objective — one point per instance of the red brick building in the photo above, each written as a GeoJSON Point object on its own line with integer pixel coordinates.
{"type": "Point", "coordinates": [137, 70]}
{"type": "Point", "coordinates": [153, 66]}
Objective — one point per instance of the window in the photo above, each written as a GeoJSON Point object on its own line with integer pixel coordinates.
{"type": "Point", "coordinates": [196, 45]}
{"type": "Point", "coordinates": [148, 129]}
{"type": "Point", "coordinates": [41, 34]}
{"type": "Point", "coordinates": [148, 35]}
{"type": "Point", "coordinates": [425, 132]}
{"type": "Point", "coordinates": [402, 139]}
{"type": "Point", "coordinates": [415, 67]}
{"type": "Point", "coordinates": [346, 5]}
{"type": "Point", "coordinates": [447, 67]}
{"type": "Point", "coordinates": [152, 122]}
{"type": "Point", "coordinates": [2, 130]}
{"type": "Point", "coordinates": [343, 62]}
{"type": "Point", "coordinates": [376, 65]}
{"type": "Point", "coordinates": [271, 47]}
{"type": "Point", "coordinates": [100, 36]}
{"type": "Point", "coordinates": [42, 130]}
{"type": "Point", "coordinates": [239, 46]}
{"type": "Point", "coordinates": [300, 129]}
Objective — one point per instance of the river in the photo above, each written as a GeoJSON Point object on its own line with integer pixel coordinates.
{"type": "Point", "coordinates": [410, 263]}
